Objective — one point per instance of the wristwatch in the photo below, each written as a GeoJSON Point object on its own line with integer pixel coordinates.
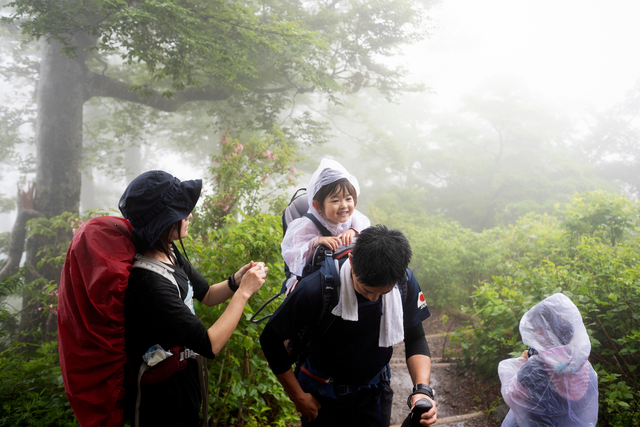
{"type": "Point", "coordinates": [424, 389]}
{"type": "Point", "coordinates": [420, 389]}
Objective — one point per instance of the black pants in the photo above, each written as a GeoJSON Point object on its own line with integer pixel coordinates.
{"type": "Point", "coordinates": [369, 407]}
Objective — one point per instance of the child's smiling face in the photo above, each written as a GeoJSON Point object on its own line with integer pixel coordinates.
{"type": "Point", "coordinates": [338, 207]}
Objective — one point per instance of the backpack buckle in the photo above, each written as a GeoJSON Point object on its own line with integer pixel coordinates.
{"type": "Point", "coordinates": [343, 390]}
{"type": "Point", "coordinates": [328, 278]}
{"type": "Point", "coordinates": [187, 353]}
{"type": "Point", "coordinates": [385, 374]}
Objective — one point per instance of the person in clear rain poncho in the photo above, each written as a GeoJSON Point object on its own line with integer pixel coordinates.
{"type": "Point", "coordinates": [332, 195]}
{"type": "Point", "coordinates": [554, 384]}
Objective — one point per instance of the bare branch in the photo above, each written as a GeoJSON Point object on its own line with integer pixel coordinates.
{"type": "Point", "coordinates": [99, 85]}
{"type": "Point", "coordinates": [19, 231]}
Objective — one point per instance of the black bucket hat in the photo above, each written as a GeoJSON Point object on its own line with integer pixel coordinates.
{"type": "Point", "coordinates": [155, 200]}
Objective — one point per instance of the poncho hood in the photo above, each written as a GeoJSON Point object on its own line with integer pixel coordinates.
{"type": "Point", "coordinates": [555, 329]}
{"type": "Point", "coordinates": [329, 171]}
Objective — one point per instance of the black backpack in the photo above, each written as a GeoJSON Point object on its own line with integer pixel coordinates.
{"type": "Point", "coordinates": [299, 347]}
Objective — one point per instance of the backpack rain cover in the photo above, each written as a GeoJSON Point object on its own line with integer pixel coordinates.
{"type": "Point", "coordinates": [91, 335]}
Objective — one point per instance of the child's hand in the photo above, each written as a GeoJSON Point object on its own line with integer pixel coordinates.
{"type": "Point", "coordinates": [347, 236]}
{"type": "Point", "coordinates": [330, 242]}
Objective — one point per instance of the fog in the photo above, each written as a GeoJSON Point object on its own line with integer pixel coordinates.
{"type": "Point", "coordinates": [573, 58]}
{"type": "Point", "coordinates": [573, 52]}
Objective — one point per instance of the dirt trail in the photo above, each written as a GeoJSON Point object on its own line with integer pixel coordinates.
{"type": "Point", "coordinates": [461, 397]}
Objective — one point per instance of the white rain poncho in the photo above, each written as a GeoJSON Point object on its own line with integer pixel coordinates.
{"type": "Point", "coordinates": [557, 386]}
{"type": "Point", "coordinates": [301, 237]}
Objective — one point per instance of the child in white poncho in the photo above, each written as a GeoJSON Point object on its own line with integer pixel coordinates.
{"type": "Point", "coordinates": [556, 386]}
{"type": "Point", "coordinates": [333, 194]}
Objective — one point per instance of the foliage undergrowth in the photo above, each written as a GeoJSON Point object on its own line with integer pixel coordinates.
{"type": "Point", "coordinates": [31, 388]}
{"type": "Point", "coordinates": [589, 250]}
{"type": "Point", "coordinates": [591, 253]}
{"type": "Point", "coordinates": [243, 388]}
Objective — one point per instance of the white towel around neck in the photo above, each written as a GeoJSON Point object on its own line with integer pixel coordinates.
{"type": "Point", "coordinates": [391, 322]}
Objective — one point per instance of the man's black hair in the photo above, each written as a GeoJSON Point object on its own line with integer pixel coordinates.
{"type": "Point", "coordinates": [381, 256]}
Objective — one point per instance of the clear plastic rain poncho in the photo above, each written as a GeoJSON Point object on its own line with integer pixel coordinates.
{"type": "Point", "coordinates": [557, 386]}
{"type": "Point", "coordinates": [300, 239]}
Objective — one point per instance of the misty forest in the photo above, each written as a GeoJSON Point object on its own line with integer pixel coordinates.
{"type": "Point", "coordinates": [506, 198]}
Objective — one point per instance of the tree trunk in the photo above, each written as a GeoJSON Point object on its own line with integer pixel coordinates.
{"type": "Point", "coordinates": [132, 162]}
{"type": "Point", "coordinates": [88, 193]}
{"type": "Point", "coordinates": [60, 97]}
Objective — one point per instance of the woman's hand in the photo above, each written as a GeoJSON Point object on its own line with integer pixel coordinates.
{"type": "Point", "coordinates": [347, 236]}
{"type": "Point", "coordinates": [252, 276]}
{"type": "Point", "coordinates": [238, 275]}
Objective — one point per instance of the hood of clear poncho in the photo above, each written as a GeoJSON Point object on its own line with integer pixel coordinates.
{"type": "Point", "coordinates": [555, 329]}
{"type": "Point", "coordinates": [329, 171]}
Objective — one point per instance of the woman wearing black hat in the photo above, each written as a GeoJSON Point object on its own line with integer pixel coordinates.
{"type": "Point", "coordinates": [159, 300]}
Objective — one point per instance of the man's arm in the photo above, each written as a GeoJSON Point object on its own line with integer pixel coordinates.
{"type": "Point", "coordinates": [292, 317]}
{"type": "Point", "coordinates": [305, 403]}
{"type": "Point", "coordinates": [274, 350]}
{"type": "Point", "coordinates": [419, 366]}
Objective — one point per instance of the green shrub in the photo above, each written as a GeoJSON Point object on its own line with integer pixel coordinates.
{"type": "Point", "coordinates": [242, 385]}
{"type": "Point", "coordinates": [31, 388]}
{"type": "Point", "coordinates": [591, 255]}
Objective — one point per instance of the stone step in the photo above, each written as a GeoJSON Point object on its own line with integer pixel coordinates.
{"type": "Point", "coordinates": [436, 363]}
{"type": "Point", "coordinates": [454, 419]}
{"type": "Point", "coordinates": [438, 335]}
{"type": "Point", "coordinates": [433, 360]}
{"type": "Point", "coordinates": [433, 365]}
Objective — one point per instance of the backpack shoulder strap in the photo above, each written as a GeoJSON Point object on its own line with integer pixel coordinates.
{"type": "Point", "coordinates": [321, 227]}
{"type": "Point", "coordinates": [152, 264]}
{"type": "Point", "coordinates": [403, 285]}
{"type": "Point", "coordinates": [330, 276]}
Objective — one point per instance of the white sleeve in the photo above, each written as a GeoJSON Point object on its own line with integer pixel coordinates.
{"type": "Point", "coordinates": [299, 243]}
{"type": "Point", "coordinates": [513, 393]}
{"type": "Point", "coordinates": [359, 221]}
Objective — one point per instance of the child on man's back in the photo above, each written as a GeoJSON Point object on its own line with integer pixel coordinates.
{"type": "Point", "coordinates": [333, 195]}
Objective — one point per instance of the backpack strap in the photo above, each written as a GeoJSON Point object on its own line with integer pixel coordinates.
{"type": "Point", "coordinates": [152, 264]}
{"type": "Point", "coordinates": [203, 374]}
{"type": "Point", "coordinates": [323, 230]}
{"type": "Point", "coordinates": [403, 285]}
{"type": "Point", "coordinates": [330, 276]}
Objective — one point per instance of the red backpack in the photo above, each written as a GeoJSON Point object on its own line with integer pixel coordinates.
{"type": "Point", "coordinates": [91, 324]}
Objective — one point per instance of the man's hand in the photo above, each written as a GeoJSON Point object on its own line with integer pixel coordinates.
{"type": "Point", "coordinates": [429, 417]}
{"type": "Point", "coordinates": [307, 405]}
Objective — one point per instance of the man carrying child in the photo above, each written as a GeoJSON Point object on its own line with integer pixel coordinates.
{"type": "Point", "coordinates": [344, 380]}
